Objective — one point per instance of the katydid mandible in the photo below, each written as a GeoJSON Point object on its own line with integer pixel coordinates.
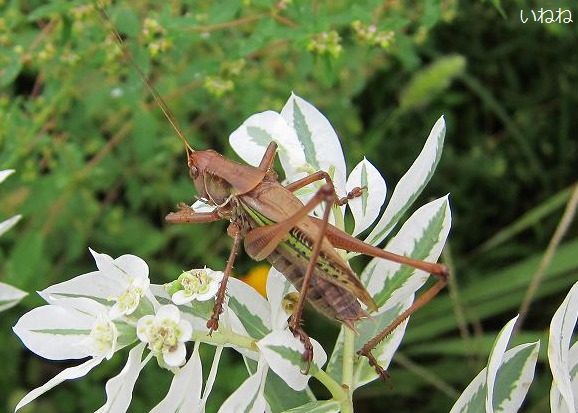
{"type": "Point", "coordinates": [275, 225]}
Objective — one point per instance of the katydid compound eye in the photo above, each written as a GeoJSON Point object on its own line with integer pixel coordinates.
{"type": "Point", "coordinates": [193, 172]}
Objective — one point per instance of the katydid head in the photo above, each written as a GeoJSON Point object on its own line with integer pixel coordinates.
{"type": "Point", "coordinates": [204, 167]}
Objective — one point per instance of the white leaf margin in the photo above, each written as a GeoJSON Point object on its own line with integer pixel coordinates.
{"type": "Point", "coordinates": [119, 388]}
{"type": "Point", "coordinates": [520, 387]}
{"type": "Point", "coordinates": [561, 329]}
{"type": "Point", "coordinates": [411, 183]}
{"type": "Point", "coordinates": [249, 397]}
{"type": "Point", "coordinates": [378, 271]}
{"type": "Point", "coordinates": [373, 196]}
{"type": "Point", "coordinates": [285, 368]}
{"type": "Point", "coordinates": [495, 360]}
{"type": "Point", "coordinates": [9, 223]}
{"type": "Point", "coordinates": [184, 394]}
{"type": "Point", "coordinates": [10, 296]}
{"type": "Point", "coordinates": [70, 373]}
{"type": "Point", "coordinates": [557, 402]}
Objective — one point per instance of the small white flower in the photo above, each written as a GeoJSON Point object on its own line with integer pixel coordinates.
{"type": "Point", "coordinates": [166, 334]}
{"type": "Point", "coordinates": [200, 284]}
{"type": "Point", "coordinates": [131, 274]}
{"type": "Point", "coordinates": [103, 337]}
{"type": "Point", "coordinates": [128, 300]}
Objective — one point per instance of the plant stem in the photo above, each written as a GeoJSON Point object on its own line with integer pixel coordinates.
{"type": "Point", "coordinates": [225, 338]}
{"type": "Point", "coordinates": [336, 390]}
{"type": "Point", "coordinates": [347, 369]}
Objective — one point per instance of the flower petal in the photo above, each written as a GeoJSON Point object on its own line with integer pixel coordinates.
{"type": "Point", "coordinates": [142, 327]}
{"type": "Point", "coordinates": [181, 297]}
{"type": "Point", "coordinates": [177, 356]}
{"type": "Point", "coordinates": [67, 374]}
{"type": "Point", "coordinates": [168, 312]}
{"type": "Point", "coordinates": [186, 330]}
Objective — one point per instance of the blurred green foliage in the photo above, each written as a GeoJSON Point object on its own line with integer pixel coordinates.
{"type": "Point", "coordinates": [98, 165]}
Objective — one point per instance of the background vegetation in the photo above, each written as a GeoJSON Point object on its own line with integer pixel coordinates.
{"type": "Point", "coordinates": [98, 165]}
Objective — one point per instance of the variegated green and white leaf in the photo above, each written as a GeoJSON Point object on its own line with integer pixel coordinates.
{"type": "Point", "coordinates": [495, 360]}
{"type": "Point", "coordinates": [250, 140]}
{"type": "Point", "coordinates": [513, 380]}
{"type": "Point", "coordinates": [119, 388]}
{"type": "Point", "coordinates": [365, 208]}
{"type": "Point", "coordinates": [184, 395]}
{"type": "Point", "coordinates": [561, 329]}
{"type": "Point", "coordinates": [248, 398]}
{"type": "Point", "coordinates": [9, 223]}
{"type": "Point", "coordinates": [422, 237]}
{"type": "Point", "coordinates": [557, 402]}
{"type": "Point", "coordinates": [411, 184]}
{"type": "Point", "coordinates": [95, 285]}
{"type": "Point", "coordinates": [251, 308]}
{"type": "Point", "coordinates": [70, 373]}
{"type": "Point", "coordinates": [10, 296]}
{"type": "Point", "coordinates": [325, 406]}
{"type": "Point", "coordinates": [318, 139]}
{"type": "Point", "coordinates": [57, 332]}
{"type": "Point", "coordinates": [284, 354]}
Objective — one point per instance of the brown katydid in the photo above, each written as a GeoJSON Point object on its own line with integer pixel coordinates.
{"type": "Point", "coordinates": [275, 225]}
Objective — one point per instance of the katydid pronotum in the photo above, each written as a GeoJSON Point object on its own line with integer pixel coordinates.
{"type": "Point", "coordinates": [275, 225]}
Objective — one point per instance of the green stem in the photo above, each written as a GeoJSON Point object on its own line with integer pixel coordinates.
{"type": "Point", "coordinates": [219, 338]}
{"type": "Point", "coordinates": [347, 369]}
{"type": "Point", "coordinates": [336, 390]}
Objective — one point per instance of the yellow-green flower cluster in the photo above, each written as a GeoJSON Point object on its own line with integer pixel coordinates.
{"type": "Point", "coordinates": [155, 37]}
{"type": "Point", "coordinates": [370, 35]}
{"type": "Point", "coordinates": [326, 43]}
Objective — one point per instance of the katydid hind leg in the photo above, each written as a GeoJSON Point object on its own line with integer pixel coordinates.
{"type": "Point", "coordinates": [417, 304]}
{"type": "Point", "coordinates": [213, 323]}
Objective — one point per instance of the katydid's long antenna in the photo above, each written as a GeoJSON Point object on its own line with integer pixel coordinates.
{"type": "Point", "coordinates": [158, 98]}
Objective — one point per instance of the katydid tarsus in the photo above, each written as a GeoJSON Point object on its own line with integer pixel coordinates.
{"type": "Point", "coordinates": [275, 225]}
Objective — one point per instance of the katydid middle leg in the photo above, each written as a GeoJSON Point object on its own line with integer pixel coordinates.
{"type": "Point", "coordinates": [318, 176]}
